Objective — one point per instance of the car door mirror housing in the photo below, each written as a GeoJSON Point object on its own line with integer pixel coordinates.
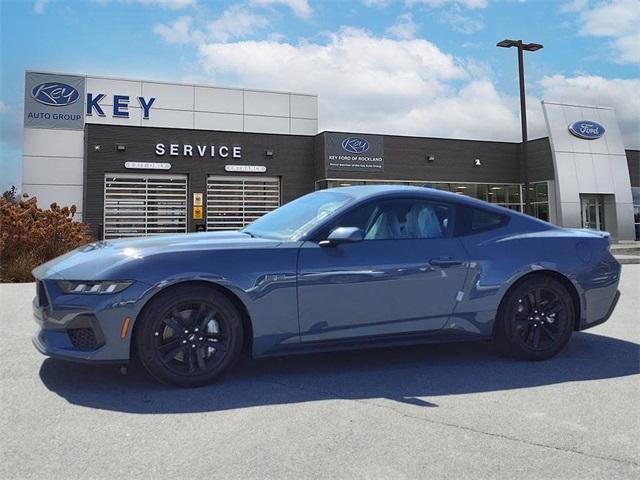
{"type": "Point", "coordinates": [343, 235]}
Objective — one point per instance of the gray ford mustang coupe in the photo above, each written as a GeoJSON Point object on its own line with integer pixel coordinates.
{"type": "Point", "coordinates": [340, 268]}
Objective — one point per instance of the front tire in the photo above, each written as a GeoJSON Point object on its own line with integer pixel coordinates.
{"type": "Point", "coordinates": [536, 319]}
{"type": "Point", "coordinates": [189, 335]}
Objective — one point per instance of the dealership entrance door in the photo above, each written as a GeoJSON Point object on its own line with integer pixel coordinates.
{"type": "Point", "coordinates": [233, 202]}
{"type": "Point", "coordinates": [592, 211]}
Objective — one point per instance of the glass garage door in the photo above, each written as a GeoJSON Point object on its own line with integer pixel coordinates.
{"type": "Point", "coordinates": [233, 202]}
{"type": "Point", "coordinates": [140, 205]}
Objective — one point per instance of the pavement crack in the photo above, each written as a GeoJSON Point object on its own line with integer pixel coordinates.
{"type": "Point", "coordinates": [456, 426]}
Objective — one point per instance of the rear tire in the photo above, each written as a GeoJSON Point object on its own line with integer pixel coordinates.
{"type": "Point", "coordinates": [536, 319]}
{"type": "Point", "coordinates": [189, 336]}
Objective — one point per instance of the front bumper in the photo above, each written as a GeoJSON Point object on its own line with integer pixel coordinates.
{"type": "Point", "coordinates": [85, 328]}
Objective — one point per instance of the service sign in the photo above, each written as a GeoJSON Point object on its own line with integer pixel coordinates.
{"type": "Point", "coordinates": [54, 101]}
{"type": "Point", "coordinates": [354, 152]}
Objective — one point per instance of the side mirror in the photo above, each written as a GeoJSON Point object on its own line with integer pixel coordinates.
{"type": "Point", "coordinates": [343, 235]}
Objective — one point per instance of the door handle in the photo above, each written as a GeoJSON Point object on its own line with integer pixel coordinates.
{"type": "Point", "coordinates": [445, 262]}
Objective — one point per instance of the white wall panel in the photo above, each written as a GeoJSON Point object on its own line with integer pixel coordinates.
{"type": "Point", "coordinates": [585, 173]}
{"type": "Point", "coordinates": [52, 170]}
{"type": "Point", "coordinates": [266, 124]}
{"type": "Point", "coordinates": [612, 136]}
{"type": "Point", "coordinates": [111, 87]}
{"type": "Point", "coordinates": [41, 142]}
{"type": "Point", "coordinates": [621, 179]}
{"type": "Point", "coordinates": [218, 121]}
{"type": "Point", "coordinates": [63, 195]}
{"type": "Point", "coordinates": [303, 126]}
{"type": "Point", "coordinates": [222, 100]}
{"type": "Point", "coordinates": [170, 119]}
{"type": "Point", "coordinates": [134, 118]}
{"type": "Point", "coordinates": [304, 106]}
{"type": "Point", "coordinates": [566, 177]}
{"type": "Point", "coordinates": [603, 175]}
{"type": "Point", "coordinates": [168, 95]}
{"type": "Point", "coordinates": [555, 117]}
{"type": "Point", "coordinates": [266, 103]}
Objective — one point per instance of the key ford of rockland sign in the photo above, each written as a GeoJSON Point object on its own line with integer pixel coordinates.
{"type": "Point", "coordinates": [58, 101]}
{"type": "Point", "coordinates": [354, 153]}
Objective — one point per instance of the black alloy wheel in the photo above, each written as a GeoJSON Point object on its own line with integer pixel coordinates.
{"type": "Point", "coordinates": [189, 336]}
{"type": "Point", "coordinates": [537, 318]}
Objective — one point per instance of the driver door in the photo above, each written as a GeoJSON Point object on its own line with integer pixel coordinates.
{"type": "Point", "coordinates": [404, 276]}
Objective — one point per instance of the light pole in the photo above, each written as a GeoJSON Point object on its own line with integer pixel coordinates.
{"type": "Point", "coordinates": [530, 47]}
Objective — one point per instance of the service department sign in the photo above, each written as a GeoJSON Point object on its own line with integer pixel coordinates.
{"type": "Point", "coordinates": [354, 152]}
{"type": "Point", "coordinates": [54, 101]}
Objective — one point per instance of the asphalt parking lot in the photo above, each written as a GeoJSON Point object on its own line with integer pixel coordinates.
{"type": "Point", "coordinates": [436, 411]}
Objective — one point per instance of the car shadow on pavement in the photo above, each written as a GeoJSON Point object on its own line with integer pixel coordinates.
{"type": "Point", "coordinates": [416, 375]}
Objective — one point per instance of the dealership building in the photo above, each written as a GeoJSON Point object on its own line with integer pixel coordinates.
{"type": "Point", "coordinates": [141, 157]}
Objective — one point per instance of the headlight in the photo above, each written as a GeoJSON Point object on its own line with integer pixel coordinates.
{"type": "Point", "coordinates": [109, 286]}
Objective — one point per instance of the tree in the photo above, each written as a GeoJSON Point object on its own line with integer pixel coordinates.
{"type": "Point", "coordinates": [10, 195]}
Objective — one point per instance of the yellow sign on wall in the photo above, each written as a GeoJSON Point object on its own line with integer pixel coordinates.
{"type": "Point", "coordinates": [197, 213]}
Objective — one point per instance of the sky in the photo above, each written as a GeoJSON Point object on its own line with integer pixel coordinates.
{"type": "Point", "coordinates": [410, 67]}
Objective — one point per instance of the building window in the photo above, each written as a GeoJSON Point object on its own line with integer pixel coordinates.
{"type": "Point", "coordinates": [539, 200]}
{"type": "Point", "coordinates": [635, 192]}
{"type": "Point", "coordinates": [504, 195]}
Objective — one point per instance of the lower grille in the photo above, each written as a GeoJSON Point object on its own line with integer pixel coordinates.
{"type": "Point", "coordinates": [83, 338]}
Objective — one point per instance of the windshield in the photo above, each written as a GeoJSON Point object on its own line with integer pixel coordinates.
{"type": "Point", "coordinates": [298, 217]}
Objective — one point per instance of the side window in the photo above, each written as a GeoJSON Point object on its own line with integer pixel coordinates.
{"type": "Point", "coordinates": [401, 219]}
{"type": "Point", "coordinates": [484, 220]}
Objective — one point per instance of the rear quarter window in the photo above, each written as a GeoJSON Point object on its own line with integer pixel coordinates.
{"type": "Point", "coordinates": [475, 220]}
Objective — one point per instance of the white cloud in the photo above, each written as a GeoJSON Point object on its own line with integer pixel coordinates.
{"type": "Point", "coordinates": [3, 107]}
{"type": "Point", "coordinates": [169, 4]}
{"type": "Point", "coordinates": [236, 22]}
{"type": "Point", "coordinates": [617, 20]}
{"type": "Point", "coordinates": [404, 28]}
{"type": "Point", "coordinates": [574, 6]}
{"type": "Point", "coordinates": [39, 6]}
{"type": "Point", "coordinates": [300, 8]}
{"type": "Point", "coordinates": [621, 94]}
{"type": "Point", "coordinates": [462, 23]}
{"type": "Point", "coordinates": [179, 31]}
{"type": "Point", "coordinates": [471, 4]}
{"type": "Point", "coordinates": [372, 84]}
{"type": "Point", "coordinates": [376, 3]}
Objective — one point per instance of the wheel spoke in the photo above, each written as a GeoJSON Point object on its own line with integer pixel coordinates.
{"type": "Point", "coordinates": [167, 357]}
{"type": "Point", "coordinates": [553, 308]}
{"type": "Point", "coordinates": [536, 337]}
{"type": "Point", "coordinates": [211, 315]}
{"type": "Point", "coordinates": [200, 354]}
{"type": "Point", "coordinates": [537, 295]}
{"type": "Point", "coordinates": [174, 325]}
{"type": "Point", "coordinates": [550, 333]}
{"type": "Point", "coordinates": [219, 346]}
{"type": "Point", "coordinates": [190, 360]}
{"type": "Point", "coordinates": [170, 345]}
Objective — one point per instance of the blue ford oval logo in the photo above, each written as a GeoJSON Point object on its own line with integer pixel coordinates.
{"type": "Point", "coordinates": [586, 129]}
{"type": "Point", "coordinates": [355, 145]}
{"type": "Point", "coordinates": [55, 94]}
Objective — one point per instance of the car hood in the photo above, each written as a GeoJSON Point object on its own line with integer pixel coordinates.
{"type": "Point", "coordinates": [102, 260]}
